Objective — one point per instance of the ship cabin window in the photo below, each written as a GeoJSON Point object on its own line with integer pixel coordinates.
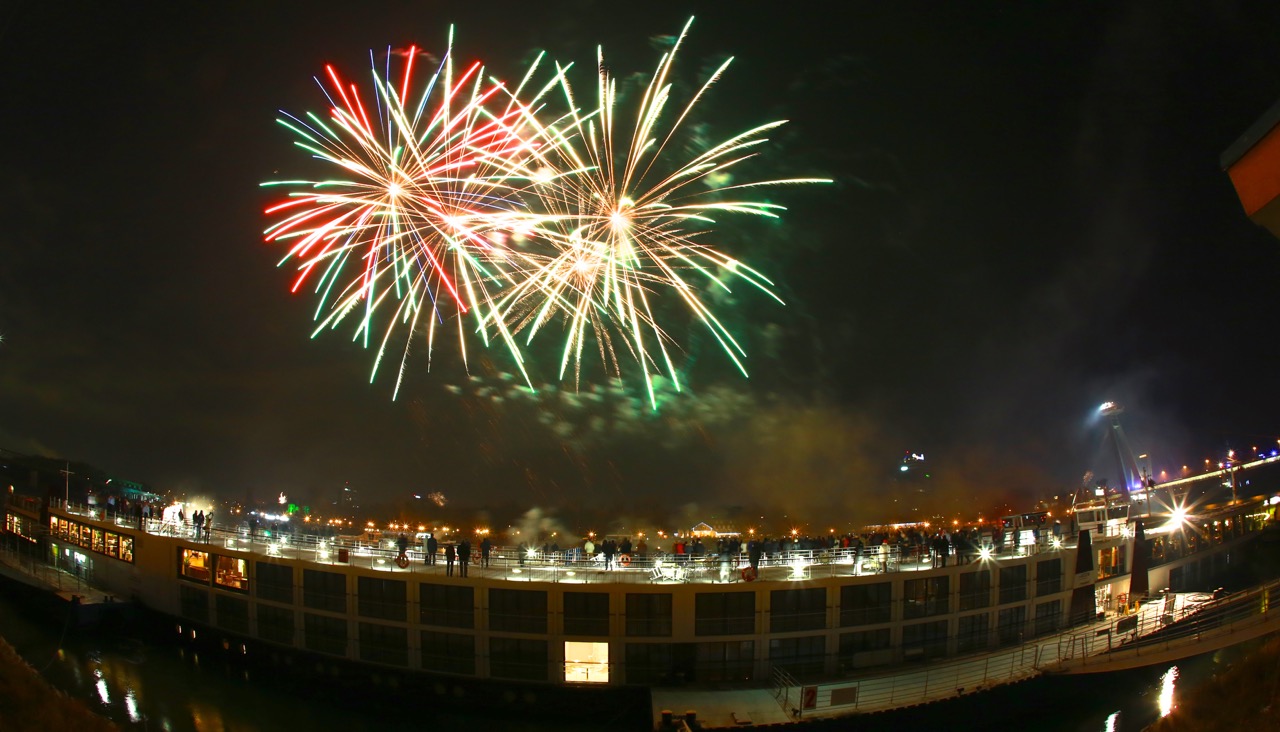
{"type": "Point", "coordinates": [1111, 562]}
{"type": "Point", "coordinates": [325, 634]}
{"type": "Point", "coordinates": [924, 640]}
{"type": "Point", "coordinates": [518, 611]}
{"type": "Point", "coordinates": [100, 541]}
{"type": "Point", "coordinates": [1157, 551]}
{"type": "Point", "coordinates": [866, 604]}
{"type": "Point", "coordinates": [1010, 625]}
{"type": "Point", "coordinates": [1013, 584]}
{"type": "Point", "coordinates": [725, 661]}
{"type": "Point", "coordinates": [1048, 617]}
{"type": "Point", "coordinates": [926, 596]}
{"type": "Point", "coordinates": [232, 573]}
{"type": "Point", "coordinates": [126, 548]}
{"type": "Point", "coordinates": [725, 613]}
{"type": "Point", "coordinates": [586, 662]}
{"type": "Point", "coordinates": [518, 658]}
{"type": "Point", "coordinates": [384, 644]}
{"type": "Point", "coordinates": [586, 613]}
{"type": "Point", "coordinates": [648, 614]}
{"type": "Point", "coordinates": [975, 590]}
{"type": "Point", "coordinates": [381, 598]}
{"type": "Point", "coordinates": [864, 648]}
{"type": "Point", "coordinates": [194, 565]}
{"type": "Point", "coordinates": [233, 613]}
{"type": "Point", "coordinates": [973, 633]}
{"type": "Point", "coordinates": [1048, 577]}
{"type": "Point", "coordinates": [658, 663]}
{"type": "Point", "coordinates": [275, 623]}
{"type": "Point", "coordinates": [193, 603]}
{"type": "Point", "coordinates": [802, 657]}
{"type": "Point", "coordinates": [275, 582]}
{"type": "Point", "coordinates": [451, 606]}
{"type": "Point", "coordinates": [1255, 521]}
{"type": "Point", "coordinates": [792, 610]}
{"type": "Point", "coordinates": [450, 653]}
{"type": "Point", "coordinates": [324, 591]}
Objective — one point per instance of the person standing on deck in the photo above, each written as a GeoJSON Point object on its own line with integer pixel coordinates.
{"type": "Point", "coordinates": [464, 556]}
{"type": "Point", "coordinates": [449, 555]}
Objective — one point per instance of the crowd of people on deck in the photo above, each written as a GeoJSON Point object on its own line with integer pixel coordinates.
{"type": "Point", "coordinates": [875, 548]}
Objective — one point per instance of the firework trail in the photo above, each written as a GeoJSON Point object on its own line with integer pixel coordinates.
{"type": "Point", "coordinates": [415, 213]}
{"type": "Point", "coordinates": [628, 222]}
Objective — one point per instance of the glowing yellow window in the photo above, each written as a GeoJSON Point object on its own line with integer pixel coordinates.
{"type": "Point", "coordinates": [586, 662]}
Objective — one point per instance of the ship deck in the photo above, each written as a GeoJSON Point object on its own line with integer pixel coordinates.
{"type": "Point", "coordinates": [515, 564]}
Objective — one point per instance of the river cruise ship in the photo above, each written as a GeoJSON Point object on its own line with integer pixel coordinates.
{"type": "Point", "coordinates": [529, 619]}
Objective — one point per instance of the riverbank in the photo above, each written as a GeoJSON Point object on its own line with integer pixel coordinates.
{"type": "Point", "coordinates": [1246, 696]}
{"type": "Point", "coordinates": [29, 704]}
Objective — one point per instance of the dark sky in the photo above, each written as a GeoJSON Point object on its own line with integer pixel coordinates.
{"type": "Point", "coordinates": [1028, 218]}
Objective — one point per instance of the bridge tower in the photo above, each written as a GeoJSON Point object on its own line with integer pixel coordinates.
{"type": "Point", "coordinates": [1131, 472]}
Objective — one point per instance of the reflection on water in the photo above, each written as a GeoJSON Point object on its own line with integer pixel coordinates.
{"type": "Point", "coordinates": [143, 685]}
{"type": "Point", "coordinates": [1166, 690]}
{"type": "Point", "coordinates": [159, 686]}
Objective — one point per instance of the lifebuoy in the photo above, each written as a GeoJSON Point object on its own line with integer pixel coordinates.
{"type": "Point", "coordinates": [402, 561]}
{"type": "Point", "coordinates": [625, 560]}
{"type": "Point", "coordinates": [749, 574]}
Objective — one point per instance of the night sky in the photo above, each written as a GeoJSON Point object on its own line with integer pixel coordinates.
{"type": "Point", "coordinates": [1028, 218]}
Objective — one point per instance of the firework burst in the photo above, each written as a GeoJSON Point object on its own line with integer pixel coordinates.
{"type": "Point", "coordinates": [413, 217]}
{"type": "Point", "coordinates": [456, 206]}
{"type": "Point", "coordinates": [630, 223]}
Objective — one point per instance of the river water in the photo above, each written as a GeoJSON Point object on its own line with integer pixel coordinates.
{"type": "Point", "coordinates": [155, 685]}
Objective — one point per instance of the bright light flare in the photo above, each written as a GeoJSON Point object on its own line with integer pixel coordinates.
{"type": "Point", "coordinates": [798, 566]}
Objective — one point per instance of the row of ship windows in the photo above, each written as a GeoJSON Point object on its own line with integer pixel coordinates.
{"type": "Point", "coordinates": [647, 614]}
{"type": "Point", "coordinates": [22, 526]}
{"type": "Point", "coordinates": [99, 541]}
{"type": "Point", "coordinates": [524, 658]}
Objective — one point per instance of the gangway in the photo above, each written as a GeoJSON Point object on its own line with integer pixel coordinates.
{"type": "Point", "coordinates": [1169, 632]}
{"type": "Point", "coordinates": [1170, 628]}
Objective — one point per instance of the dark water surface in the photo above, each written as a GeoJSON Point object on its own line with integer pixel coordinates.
{"type": "Point", "coordinates": [150, 684]}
